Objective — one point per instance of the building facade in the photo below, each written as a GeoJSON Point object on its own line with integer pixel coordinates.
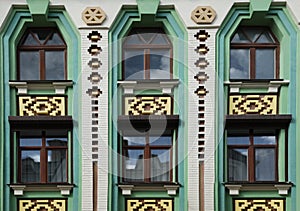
{"type": "Point", "coordinates": [142, 105]}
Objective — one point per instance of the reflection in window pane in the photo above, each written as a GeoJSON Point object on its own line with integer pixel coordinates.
{"type": "Point", "coordinates": [160, 165]}
{"type": "Point", "coordinates": [134, 165]}
{"type": "Point", "coordinates": [55, 65]}
{"type": "Point", "coordinates": [30, 166]}
{"type": "Point", "coordinates": [160, 64]}
{"type": "Point", "coordinates": [237, 164]}
{"type": "Point", "coordinates": [30, 142]}
{"type": "Point", "coordinates": [238, 140]}
{"type": "Point", "coordinates": [264, 140]}
{"type": "Point", "coordinates": [160, 140]}
{"type": "Point", "coordinates": [57, 166]}
{"type": "Point", "coordinates": [29, 65]}
{"type": "Point", "coordinates": [264, 63]}
{"type": "Point", "coordinates": [55, 40]}
{"type": "Point", "coordinates": [56, 141]}
{"type": "Point", "coordinates": [134, 140]}
{"type": "Point", "coordinates": [239, 63]}
{"type": "Point", "coordinates": [264, 164]}
{"type": "Point", "coordinates": [134, 64]}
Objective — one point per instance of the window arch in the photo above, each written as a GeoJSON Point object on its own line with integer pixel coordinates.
{"type": "Point", "coordinates": [42, 55]}
{"type": "Point", "coordinates": [254, 54]}
{"type": "Point", "coordinates": [147, 54]}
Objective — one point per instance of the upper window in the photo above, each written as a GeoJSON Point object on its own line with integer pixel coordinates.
{"type": "Point", "coordinates": [42, 55]}
{"type": "Point", "coordinates": [42, 156]}
{"type": "Point", "coordinates": [254, 54]}
{"type": "Point", "coordinates": [252, 156]}
{"type": "Point", "coordinates": [147, 54]}
{"type": "Point", "coordinates": [147, 158]}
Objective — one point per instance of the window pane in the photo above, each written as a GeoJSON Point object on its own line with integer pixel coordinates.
{"type": "Point", "coordinates": [161, 140]}
{"type": "Point", "coordinates": [133, 141]}
{"type": "Point", "coordinates": [238, 140]}
{"type": "Point", "coordinates": [134, 165]}
{"type": "Point", "coordinates": [57, 166]}
{"type": "Point", "coordinates": [55, 40]}
{"type": "Point", "coordinates": [55, 65]}
{"type": "Point", "coordinates": [30, 165]}
{"type": "Point", "coordinates": [265, 140]}
{"type": "Point", "coordinates": [29, 65]}
{"type": "Point", "coordinates": [30, 142]}
{"type": "Point", "coordinates": [237, 164]}
{"type": "Point", "coordinates": [160, 64]}
{"type": "Point", "coordinates": [265, 63]}
{"type": "Point", "coordinates": [134, 64]}
{"type": "Point", "coordinates": [57, 141]}
{"type": "Point", "coordinates": [30, 40]}
{"type": "Point", "coordinates": [264, 164]}
{"type": "Point", "coordinates": [160, 165]}
{"type": "Point", "coordinates": [239, 63]}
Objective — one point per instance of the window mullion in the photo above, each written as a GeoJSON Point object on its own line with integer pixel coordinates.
{"type": "Point", "coordinates": [251, 161]}
{"type": "Point", "coordinates": [43, 159]}
{"type": "Point", "coordinates": [252, 64]}
{"type": "Point", "coordinates": [42, 65]}
{"type": "Point", "coordinates": [147, 63]}
{"type": "Point", "coordinates": [147, 166]}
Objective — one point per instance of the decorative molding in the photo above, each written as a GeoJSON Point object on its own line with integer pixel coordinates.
{"type": "Point", "coordinates": [94, 36]}
{"type": "Point", "coordinates": [146, 105]}
{"type": "Point", "coordinates": [94, 92]}
{"type": "Point", "coordinates": [24, 86]}
{"type": "Point", "coordinates": [149, 204]}
{"type": "Point", "coordinates": [93, 16]}
{"type": "Point", "coordinates": [202, 49]}
{"type": "Point", "coordinates": [259, 204]}
{"type": "Point", "coordinates": [203, 14]}
{"type": "Point", "coordinates": [42, 204]}
{"type": "Point", "coordinates": [282, 188]}
{"type": "Point", "coordinates": [271, 86]}
{"type": "Point", "coordinates": [19, 189]}
{"type": "Point", "coordinates": [42, 105]}
{"type": "Point", "coordinates": [165, 86]}
{"type": "Point", "coordinates": [253, 104]}
{"type": "Point", "coordinates": [202, 35]}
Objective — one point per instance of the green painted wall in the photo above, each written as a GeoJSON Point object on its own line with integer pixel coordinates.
{"type": "Point", "coordinates": [16, 22]}
{"type": "Point", "coordinates": [279, 19]}
{"type": "Point", "coordinates": [169, 20]}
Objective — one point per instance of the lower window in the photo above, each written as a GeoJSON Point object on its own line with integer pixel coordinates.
{"type": "Point", "coordinates": [252, 156]}
{"type": "Point", "coordinates": [147, 158]}
{"type": "Point", "coordinates": [42, 156]}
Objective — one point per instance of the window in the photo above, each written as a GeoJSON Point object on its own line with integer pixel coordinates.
{"type": "Point", "coordinates": [147, 54]}
{"type": "Point", "coordinates": [252, 157]}
{"type": "Point", "coordinates": [254, 54]}
{"type": "Point", "coordinates": [42, 156]}
{"type": "Point", "coordinates": [42, 55]}
{"type": "Point", "coordinates": [147, 158]}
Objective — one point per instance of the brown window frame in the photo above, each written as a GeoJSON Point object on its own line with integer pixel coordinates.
{"type": "Point", "coordinates": [147, 51]}
{"type": "Point", "coordinates": [252, 48]}
{"type": "Point", "coordinates": [41, 49]}
{"type": "Point", "coordinates": [251, 154]}
{"type": "Point", "coordinates": [43, 150]}
{"type": "Point", "coordinates": [147, 158]}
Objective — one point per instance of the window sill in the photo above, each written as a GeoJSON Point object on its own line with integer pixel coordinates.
{"type": "Point", "coordinates": [166, 86]}
{"type": "Point", "coordinates": [24, 86]}
{"type": "Point", "coordinates": [235, 188]}
{"type": "Point", "coordinates": [19, 189]}
{"type": "Point", "coordinates": [127, 188]}
{"type": "Point", "coordinates": [272, 85]}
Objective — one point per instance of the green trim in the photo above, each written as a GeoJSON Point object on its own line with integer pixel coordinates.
{"type": "Point", "coordinates": [17, 20]}
{"type": "Point", "coordinates": [128, 18]}
{"type": "Point", "coordinates": [286, 31]}
{"type": "Point", "coordinates": [147, 7]}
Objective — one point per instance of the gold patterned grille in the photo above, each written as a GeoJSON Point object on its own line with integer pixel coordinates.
{"type": "Point", "coordinates": [42, 204]}
{"type": "Point", "coordinates": [253, 104]}
{"type": "Point", "coordinates": [41, 105]}
{"type": "Point", "coordinates": [259, 204]}
{"type": "Point", "coordinates": [149, 204]}
{"type": "Point", "coordinates": [148, 105]}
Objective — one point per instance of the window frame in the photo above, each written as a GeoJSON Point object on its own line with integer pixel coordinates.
{"type": "Point", "coordinates": [43, 151]}
{"type": "Point", "coordinates": [41, 49]}
{"type": "Point", "coordinates": [252, 52]}
{"type": "Point", "coordinates": [251, 147]}
{"type": "Point", "coordinates": [147, 157]}
{"type": "Point", "coordinates": [147, 51]}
